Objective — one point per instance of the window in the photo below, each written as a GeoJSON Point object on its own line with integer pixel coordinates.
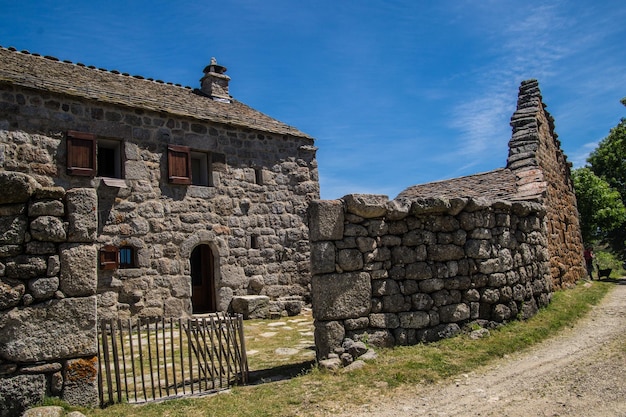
{"type": "Point", "coordinates": [127, 257]}
{"type": "Point", "coordinates": [200, 168]}
{"type": "Point", "coordinates": [109, 257]}
{"type": "Point", "coordinates": [109, 159]}
{"type": "Point", "coordinates": [81, 153]}
{"type": "Point", "coordinates": [258, 176]}
{"type": "Point", "coordinates": [192, 167]}
{"type": "Point", "coordinates": [89, 157]}
{"type": "Point", "coordinates": [112, 257]}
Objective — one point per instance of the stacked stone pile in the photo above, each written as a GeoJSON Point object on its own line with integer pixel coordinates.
{"type": "Point", "coordinates": [407, 271]}
{"type": "Point", "coordinates": [47, 294]}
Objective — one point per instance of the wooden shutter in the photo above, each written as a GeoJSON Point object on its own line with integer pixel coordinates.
{"type": "Point", "coordinates": [109, 257]}
{"type": "Point", "coordinates": [81, 153]}
{"type": "Point", "coordinates": [179, 164]}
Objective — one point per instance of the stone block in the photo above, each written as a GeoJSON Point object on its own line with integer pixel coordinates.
{"type": "Point", "coordinates": [46, 208]}
{"type": "Point", "coordinates": [21, 392]}
{"type": "Point", "coordinates": [16, 187]}
{"type": "Point", "coordinates": [414, 319]}
{"type": "Point", "coordinates": [349, 260]}
{"type": "Point", "coordinates": [13, 229]}
{"type": "Point", "coordinates": [328, 336]}
{"type": "Point", "coordinates": [366, 205]}
{"type": "Point", "coordinates": [11, 292]}
{"type": "Point", "coordinates": [251, 306]}
{"type": "Point", "coordinates": [48, 229]}
{"type": "Point", "coordinates": [79, 270]}
{"type": "Point", "coordinates": [326, 220]}
{"type": "Point", "coordinates": [52, 330]}
{"type": "Point", "coordinates": [341, 296]}
{"type": "Point", "coordinates": [384, 320]}
{"type": "Point", "coordinates": [454, 313]}
{"type": "Point", "coordinates": [322, 257]}
{"type": "Point", "coordinates": [82, 214]}
{"type": "Point", "coordinates": [80, 385]}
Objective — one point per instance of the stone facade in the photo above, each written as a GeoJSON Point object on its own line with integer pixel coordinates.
{"type": "Point", "coordinates": [48, 275]}
{"type": "Point", "coordinates": [204, 198]}
{"type": "Point", "coordinates": [486, 248]}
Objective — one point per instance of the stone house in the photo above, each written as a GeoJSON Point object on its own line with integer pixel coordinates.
{"type": "Point", "coordinates": [199, 198]}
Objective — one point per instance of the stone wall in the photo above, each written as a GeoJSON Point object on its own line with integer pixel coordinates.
{"type": "Point", "coordinates": [536, 157]}
{"type": "Point", "coordinates": [253, 216]}
{"type": "Point", "coordinates": [48, 277]}
{"type": "Point", "coordinates": [406, 271]}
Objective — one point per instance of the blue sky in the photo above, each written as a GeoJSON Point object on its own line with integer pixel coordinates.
{"type": "Point", "coordinates": [396, 92]}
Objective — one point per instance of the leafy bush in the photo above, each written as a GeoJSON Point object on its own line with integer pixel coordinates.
{"type": "Point", "coordinates": [605, 260]}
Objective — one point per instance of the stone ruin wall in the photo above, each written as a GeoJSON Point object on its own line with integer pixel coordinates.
{"type": "Point", "coordinates": [48, 267]}
{"type": "Point", "coordinates": [402, 272]}
{"type": "Point", "coordinates": [535, 155]}
{"type": "Point", "coordinates": [164, 222]}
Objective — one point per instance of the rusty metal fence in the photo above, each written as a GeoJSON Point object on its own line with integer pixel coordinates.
{"type": "Point", "coordinates": [143, 361]}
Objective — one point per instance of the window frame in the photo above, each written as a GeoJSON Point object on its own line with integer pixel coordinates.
{"type": "Point", "coordinates": [131, 262]}
{"type": "Point", "coordinates": [116, 146]}
{"type": "Point", "coordinates": [204, 176]}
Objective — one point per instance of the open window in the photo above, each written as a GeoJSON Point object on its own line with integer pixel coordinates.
{"type": "Point", "coordinates": [81, 153]}
{"type": "Point", "coordinates": [109, 159]}
{"type": "Point", "coordinates": [200, 169]}
{"type": "Point", "coordinates": [88, 156]}
{"type": "Point", "coordinates": [192, 167]}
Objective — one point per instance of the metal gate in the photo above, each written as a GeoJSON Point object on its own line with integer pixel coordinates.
{"type": "Point", "coordinates": [144, 360]}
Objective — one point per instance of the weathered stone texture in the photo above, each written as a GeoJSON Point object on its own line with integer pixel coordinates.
{"type": "Point", "coordinates": [39, 327]}
{"type": "Point", "coordinates": [434, 279]}
{"type": "Point", "coordinates": [79, 266]}
{"type": "Point", "coordinates": [57, 329]}
{"type": "Point", "coordinates": [21, 392]}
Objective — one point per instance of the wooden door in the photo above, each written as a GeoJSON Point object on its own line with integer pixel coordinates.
{"type": "Point", "coordinates": [202, 280]}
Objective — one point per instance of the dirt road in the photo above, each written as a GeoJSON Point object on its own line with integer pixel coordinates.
{"type": "Point", "coordinates": [581, 372]}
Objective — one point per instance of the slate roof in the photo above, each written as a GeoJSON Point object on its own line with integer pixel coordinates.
{"type": "Point", "coordinates": [496, 184]}
{"type": "Point", "coordinates": [49, 74]}
{"type": "Point", "coordinates": [523, 178]}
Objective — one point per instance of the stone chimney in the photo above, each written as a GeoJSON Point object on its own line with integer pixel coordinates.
{"type": "Point", "coordinates": [215, 83]}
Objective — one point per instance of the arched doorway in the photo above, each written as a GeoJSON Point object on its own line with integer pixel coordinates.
{"type": "Point", "coordinates": [202, 280]}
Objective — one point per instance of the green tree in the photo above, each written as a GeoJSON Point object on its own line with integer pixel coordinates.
{"type": "Point", "coordinates": [600, 207]}
{"type": "Point", "coordinates": [608, 160]}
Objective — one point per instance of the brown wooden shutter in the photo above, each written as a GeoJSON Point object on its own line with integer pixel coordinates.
{"type": "Point", "coordinates": [109, 257]}
{"type": "Point", "coordinates": [81, 153]}
{"type": "Point", "coordinates": [179, 164]}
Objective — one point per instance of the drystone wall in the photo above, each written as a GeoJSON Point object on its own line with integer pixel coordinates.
{"type": "Point", "coordinates": [400, 272]}
{"type": "Point", "coordinates": [536, 157]}
{"type": "Point", "coordinates": [253, 216]}
{"type": "Point", "coordinates": [48, 277]}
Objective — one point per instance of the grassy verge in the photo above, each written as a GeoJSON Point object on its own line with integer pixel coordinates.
{"type": "Point", "coordinates": [315, 391]}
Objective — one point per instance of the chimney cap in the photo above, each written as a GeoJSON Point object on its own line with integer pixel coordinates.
{"type": "Point", "coordinates": [214, 67]}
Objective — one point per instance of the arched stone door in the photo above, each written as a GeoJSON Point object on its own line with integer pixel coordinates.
{"type": "Point", "coordinates": [202, 280]}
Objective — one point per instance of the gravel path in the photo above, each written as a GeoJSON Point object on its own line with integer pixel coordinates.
{"type": "Point", "coordinates": [581, 372]}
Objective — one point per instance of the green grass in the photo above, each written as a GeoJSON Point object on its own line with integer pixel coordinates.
{"type": "Point", "coordinates": [316, 391]}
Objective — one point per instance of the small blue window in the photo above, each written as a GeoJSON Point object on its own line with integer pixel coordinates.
{"type": "Point", "coordinates": [127, 257]}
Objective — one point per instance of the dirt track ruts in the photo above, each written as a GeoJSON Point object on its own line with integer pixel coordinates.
{"type": "Point", "coordinates": [580, 372]}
